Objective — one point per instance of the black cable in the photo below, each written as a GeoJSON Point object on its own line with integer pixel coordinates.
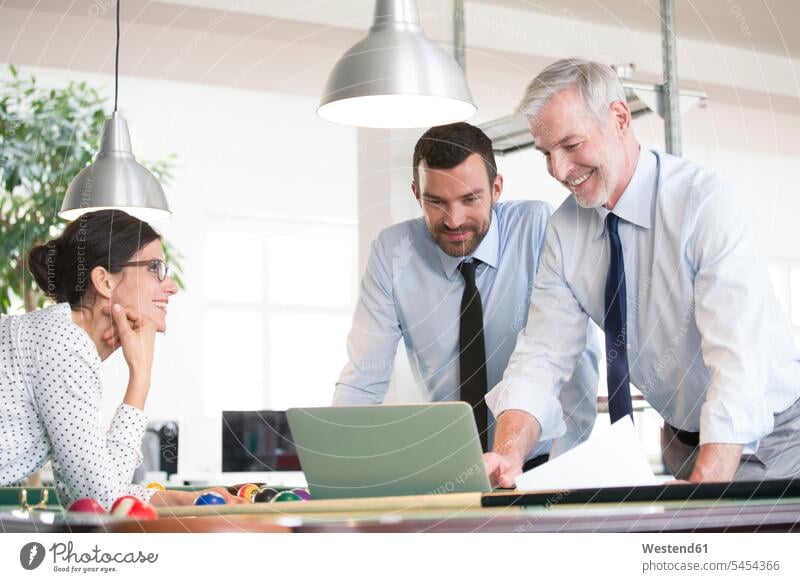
{"type": "Point", "coordinates": [116, 64]}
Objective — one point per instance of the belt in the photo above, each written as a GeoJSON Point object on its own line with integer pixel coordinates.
{"type": "Point", "coordinates": [535, 462]}
{"type": "Point", "coordinates": [690, 439]}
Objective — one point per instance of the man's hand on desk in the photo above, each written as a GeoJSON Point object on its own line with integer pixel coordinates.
{"type": "Point", "coordinates": [501, 470]}
{"type": "Point", "coordinates": [515, 434]}
{"type": "Point", "coordinates": [716, 462]}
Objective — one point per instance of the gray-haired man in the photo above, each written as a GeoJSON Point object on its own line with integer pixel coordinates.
{"type": "Point", "coordinates": [664, 256]}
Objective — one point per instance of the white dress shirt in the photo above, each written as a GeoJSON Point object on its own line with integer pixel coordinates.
{"type": "Point", "coordinates": [708, 343]}
{"type": "Point", "coordinates": [50, 397]}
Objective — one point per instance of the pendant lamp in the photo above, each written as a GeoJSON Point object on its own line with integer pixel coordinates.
{"type": "Point", "coordinates": [396, 77]}
{"type": "Point", "coordinates": [115, 180]}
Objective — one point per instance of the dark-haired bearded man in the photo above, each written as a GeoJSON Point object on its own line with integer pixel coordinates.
{"type": "Point", "coordinates": [455, 285]}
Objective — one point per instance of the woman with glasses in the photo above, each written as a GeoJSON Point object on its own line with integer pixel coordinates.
{"type": "Point", "coordinates": [107, 275]}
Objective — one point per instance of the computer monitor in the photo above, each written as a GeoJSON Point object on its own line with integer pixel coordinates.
{"type": "Point", "coordinates": [257, 441]}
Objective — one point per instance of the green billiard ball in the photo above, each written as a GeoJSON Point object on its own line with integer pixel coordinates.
{"type": "Point", "coordinates": [286, 496]}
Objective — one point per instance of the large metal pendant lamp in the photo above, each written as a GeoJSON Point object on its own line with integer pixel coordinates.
{"type": "Point", "coordinates": [396, 77]}
{"type": "Point", "coordinates": [115, 180]}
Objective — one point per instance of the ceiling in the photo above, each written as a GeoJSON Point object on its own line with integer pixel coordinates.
{"type": "Point", "coordinates": [769, 26]}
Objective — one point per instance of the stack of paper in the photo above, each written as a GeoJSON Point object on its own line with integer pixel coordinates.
{"type": "Point", "coordinates": [612, 459]}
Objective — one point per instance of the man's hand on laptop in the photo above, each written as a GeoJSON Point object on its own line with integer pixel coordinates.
{"type": "Point", "coordinates": [501, 469]}
{"type": "Point", "coordinates": [515, 434]}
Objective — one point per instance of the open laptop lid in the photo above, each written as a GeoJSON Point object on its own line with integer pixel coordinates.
{"type": "Point", "coordinates": [386, 450]}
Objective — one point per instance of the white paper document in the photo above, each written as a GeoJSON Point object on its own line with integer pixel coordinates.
{"type": "Point", "coordinates": [611, 459]}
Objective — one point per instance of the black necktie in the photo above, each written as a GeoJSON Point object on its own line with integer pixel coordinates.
{"type": "Point", "coordinates": [472, 354]}
{"type": "Point", "coordinates": [615, 326]}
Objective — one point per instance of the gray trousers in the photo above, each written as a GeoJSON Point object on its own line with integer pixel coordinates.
{"type": "Point", "coordinates": [778, 455]}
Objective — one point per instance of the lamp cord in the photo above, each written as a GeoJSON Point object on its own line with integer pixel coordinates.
{"type": "Point", "coordinates": [116, 64]}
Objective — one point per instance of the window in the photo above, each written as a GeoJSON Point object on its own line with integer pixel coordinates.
{"type": "Point", "coordinates": [279, 296]}
{"type": "Point", "coordinates": [233, 352]}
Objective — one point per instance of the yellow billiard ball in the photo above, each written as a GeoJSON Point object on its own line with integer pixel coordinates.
{"type": "Point", "coordinates": [247, 491]}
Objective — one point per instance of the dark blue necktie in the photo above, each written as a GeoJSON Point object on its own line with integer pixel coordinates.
{"type": "Point", "coordinates": [615, 326]}
{"type": "Point", "coordinates": [472, 351]}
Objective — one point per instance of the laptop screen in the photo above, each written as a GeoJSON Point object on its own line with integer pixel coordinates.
{"type": "Point", "coordinates": [257, 441]}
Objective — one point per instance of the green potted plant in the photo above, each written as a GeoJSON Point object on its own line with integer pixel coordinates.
{"type": "Point", "coordinates": [47, 136]}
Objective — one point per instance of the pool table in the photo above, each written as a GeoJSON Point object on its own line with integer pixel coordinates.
{"type": "Point", "coordinates": [769, 506]}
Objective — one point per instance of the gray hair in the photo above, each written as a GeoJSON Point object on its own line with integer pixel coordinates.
{"type": "Point", "coordinates": [597, 84]}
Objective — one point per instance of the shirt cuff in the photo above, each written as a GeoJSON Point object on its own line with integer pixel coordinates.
{"type": "Point", "coordinates": [519, 394]}
{"type": "Point", "coordinates": [127, 428]}
{"type": "Point", "coordinates": [346, 395]}
{"type": "Point", "coordinates": [735, 425]}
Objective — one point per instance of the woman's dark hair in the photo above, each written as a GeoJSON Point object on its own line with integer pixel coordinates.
{"type": "Point", "coordinates": [446, 146]}
{"type": "Point", "coordinates": [107, 238]}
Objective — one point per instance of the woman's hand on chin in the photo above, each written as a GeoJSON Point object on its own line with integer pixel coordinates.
{"type": "Point", "coordinates": [136, 334]}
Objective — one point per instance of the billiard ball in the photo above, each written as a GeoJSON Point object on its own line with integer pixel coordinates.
{"type": "Point", "coordinates": [86, 505]}
{"type": "Point", "coordinates": [247, 491]}
{"type": "Point", "coordinates": [264, 495]}
{"type": "Point", "coordinates": [302, 493]}
{"type": "Point", "coordinates": [234, 489]}
{"type": "Point", "coordinates": [210, 498]}
{"type": "Point", "coordinates": [134, 508]}
{"type": "Point", "coordinates": [285, 496]}
{"type": "Point", "coordinates": [156, 486]}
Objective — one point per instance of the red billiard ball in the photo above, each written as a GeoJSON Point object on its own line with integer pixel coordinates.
{"type": "Point", "coordinates": [134, 508]}
{"type": "Point", "coordinates": [86, 505]}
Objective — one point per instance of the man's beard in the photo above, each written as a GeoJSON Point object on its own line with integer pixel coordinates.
{"type": "Point", "coordinates": [460, 248]}
{"type": "Point", "coordinates": [594, 202]}
{"type": "Point", "coordinates": [596, 198]}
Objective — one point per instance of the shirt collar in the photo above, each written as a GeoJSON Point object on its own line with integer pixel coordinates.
{"type": "Point", "coordinates": [487, 252]}
{"type": "Point", "coordinates": [635, 204]}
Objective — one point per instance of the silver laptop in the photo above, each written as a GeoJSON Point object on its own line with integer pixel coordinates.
{"type": "Point", "coordinates": [385, 450]}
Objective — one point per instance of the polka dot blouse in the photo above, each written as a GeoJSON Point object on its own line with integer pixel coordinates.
{"type": "Point", "coordinates": [50, 397]}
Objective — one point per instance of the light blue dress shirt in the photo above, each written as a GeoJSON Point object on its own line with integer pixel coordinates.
{"type": "Point", "coordinates": [412, 289]}
{"type": "Point", "coordinates": [708, 343]}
